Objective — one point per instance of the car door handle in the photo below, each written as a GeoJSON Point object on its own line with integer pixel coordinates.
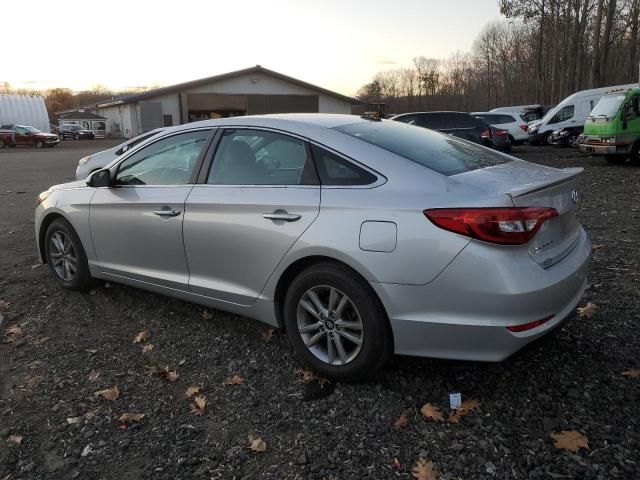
{"type": "Point", "coordinates": [287, 217]}
{"type": "Point", "coordinates": [167, 213]}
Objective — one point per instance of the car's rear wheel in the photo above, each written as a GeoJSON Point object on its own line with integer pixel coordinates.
{"type": "Point", "coordinates": [2, 145]}
{"type": "Point", "coordinates": [39, 144]}
{"type": "Point", "coordinates": [336, 323]}
{"type": "Point", "coordinates": [66, 256]}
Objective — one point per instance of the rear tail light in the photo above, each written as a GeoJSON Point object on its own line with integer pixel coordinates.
{"type": "Point", "coordinates": [501, 225]}
{"type": "Point", "coordinates": [485, 133]}
{"type": "Point", "coordinates": [501, 133]}
{"type": "Point", "coordinates": [528, 326]}
{"type": "Point", "coordinates": [525, 127]}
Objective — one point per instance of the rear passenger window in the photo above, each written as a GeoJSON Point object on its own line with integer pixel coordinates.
{"type": "Point", "coordinates": [334, 170]}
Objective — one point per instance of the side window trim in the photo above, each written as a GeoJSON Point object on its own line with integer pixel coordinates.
{"type": "Point", "coordinates": [199, 161]}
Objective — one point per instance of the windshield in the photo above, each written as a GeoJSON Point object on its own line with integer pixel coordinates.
{"type": "Point", "coordinates": [443, 153]}
{"type": "Point", "coordinates": [608, 106]}
{"type": "Point", "coordinates": [32, 130]}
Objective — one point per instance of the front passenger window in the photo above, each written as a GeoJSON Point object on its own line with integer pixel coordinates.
{"type": "Point", "coordinates": [169, 161]}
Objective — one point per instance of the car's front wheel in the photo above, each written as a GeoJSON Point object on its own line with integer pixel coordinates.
{"type": "Point", "coordinates": [66, 256]}
{"type": "Point", "coordinates": [39, 144]}
{"type": "Point", "coordinates": [336, 323]}
{"type": "Point", "coordinates": [76, 137]}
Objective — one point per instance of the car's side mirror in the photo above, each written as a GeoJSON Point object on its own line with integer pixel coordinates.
{"type": "Point", "coordinates": [101, 178]}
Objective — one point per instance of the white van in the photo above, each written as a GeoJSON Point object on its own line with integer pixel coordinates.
{"type": "Point", "coordinates": [570, 112]}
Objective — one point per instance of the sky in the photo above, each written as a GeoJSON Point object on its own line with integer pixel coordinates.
{"type": "Point", "coordinates": [336, 44]}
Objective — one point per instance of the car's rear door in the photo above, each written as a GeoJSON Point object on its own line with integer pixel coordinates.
{"type": "Point", "coordinates": [259, 195]}
{"type": "Point", "coordinates": [136, 225]}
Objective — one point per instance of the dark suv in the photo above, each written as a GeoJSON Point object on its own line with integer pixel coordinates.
{"type": "Point", "coordinates": [459, 124]}
{"type": "Point", "coordinates": [74, 131]}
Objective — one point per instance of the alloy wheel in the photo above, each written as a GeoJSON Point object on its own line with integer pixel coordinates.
{"type": "Point", "coordinates": [330, 325]}
{"type": "Point", "coordinates": [63, 256]}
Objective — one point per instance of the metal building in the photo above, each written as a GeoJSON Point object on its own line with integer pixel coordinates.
{"type": "Point", "coordinates": [251, 91]}
{"type": "Point", "coordinates": [24, 110]}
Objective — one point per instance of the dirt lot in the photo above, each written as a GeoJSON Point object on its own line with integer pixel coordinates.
{"type": "Point", "coordinates": [53, 426]}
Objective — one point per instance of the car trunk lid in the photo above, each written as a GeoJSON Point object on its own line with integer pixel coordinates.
{"type": "Point", "coordinates": [531, 185]}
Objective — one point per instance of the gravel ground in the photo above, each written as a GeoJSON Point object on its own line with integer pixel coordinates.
{"type": "Point", "coordinates": [570, 381]}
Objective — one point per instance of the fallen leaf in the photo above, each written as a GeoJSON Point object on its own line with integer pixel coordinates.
{"type": "Point", "coordinates": [12, 333]}
{"type": "Point", "coordinates": [207, 315]}
{"type": "Point", "coordinates": [632, 373]}
{"type": "Point", "coordinates": [198, 405]}
{"type": "Point", "coordinates": [267, 335]}
{"type": "Point", "coordinates": [234, 380]}
{"type": "Point", "coordinates": [147, 348]}
{"type": "Point", "coordinates": [35, 381]}
{"type": "Point", "coordinates": [108, 393]}
{"type": "Point", "coordinates": [93, 375]}
{"type": "Point", "coordinates": [466, 407]}
{"type": "Point", "coordinates": [396, 463]}
{"type": "Point", "coordinates": [257, 444]}
{"type": "Point", "coordinates": [141, 336]}
{"type": "Point", "coordinates": [308, 376]}
{"type": "Point", "coordinates": [17, 439]}
{"type": "Point", "coordinates": [588, 311]}
{"type": "Point", "coordinates": [596, 246]}
{"type": "Point", "coordinates": [424, 470]}
{"type": "Point", "coordinates": [4, 305]}
{"type": "Point", "coordinates": [432, 412]}
{"type": "Point", "coordinates": [570, 440]}
{"type": "Point", "coordinates": [191, 391]}
{"type": "Point", "coordinates": [401, 422]}
{"type": "Point", "coordinates": [74, 420]}
{"type": "Point", "coordinates": [131, 417]}
{"type": "Point", "coordinates": [163, 372]}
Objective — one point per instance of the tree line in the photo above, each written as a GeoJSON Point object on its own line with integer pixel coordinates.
{"type": "Point", "coordinates": [540, 52]}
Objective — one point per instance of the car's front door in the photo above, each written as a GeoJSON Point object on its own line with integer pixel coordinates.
{"type": "Point", "coordinates": [261, 194]}
{"type": "Point", "coordinates": [23, 137]}
{"type": "Point", "coordinates": [136, 225]}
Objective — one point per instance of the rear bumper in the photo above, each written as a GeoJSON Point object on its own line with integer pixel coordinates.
{"type": "Point", "coordinates": [463, 314]}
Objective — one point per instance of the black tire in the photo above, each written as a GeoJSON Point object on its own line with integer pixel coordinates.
{"type": "Point", "coordinates": [615, 158]}
{"type": "Point", "coordinates": [39, 144]}
{"type": "Point", "coordinates": [376, 346]}
{"type": "Point", "coordinates": [76, 137]}
{"type": "Point", "coordinates": [545, 139]}
{"type": "Point", "coordinates": [2, 145]}
{"type": "Point", "coordinates": [635, 154]}
{"type": "Point", "coordinates": [81, 279]}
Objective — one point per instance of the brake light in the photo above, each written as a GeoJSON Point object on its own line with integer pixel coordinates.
{"type": "Point", "coordinates": [501, 133]}
{"type": "Point", "coordinates": [486, 134]}
{"type": "Point", "coordinates": [501, 225]}
{"type": "Point", "coordinates": [528, 326]}
{"type": "Point", "coordinates": [525, 127]}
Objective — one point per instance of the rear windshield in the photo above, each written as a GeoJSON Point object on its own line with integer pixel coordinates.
{"type": "Point", "coordinates": [443, 153]}
{"type": "Point", "coordinates": [493, 118]}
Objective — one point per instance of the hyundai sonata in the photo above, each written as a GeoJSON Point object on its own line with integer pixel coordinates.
{"type": "Point", "coordinates": [360, 237]}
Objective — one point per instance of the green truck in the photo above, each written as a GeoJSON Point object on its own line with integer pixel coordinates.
{"type": "Point", "coordinates": [613, 127]}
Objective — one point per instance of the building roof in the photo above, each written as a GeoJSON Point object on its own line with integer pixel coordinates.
{"type": "Point", "coordinates": [81, 115]}
{"type": "Point", "coordinates": [202, 81]}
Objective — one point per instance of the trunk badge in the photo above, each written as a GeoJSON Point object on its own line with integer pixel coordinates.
{"type": "Point", "coordinates": [574, 196]}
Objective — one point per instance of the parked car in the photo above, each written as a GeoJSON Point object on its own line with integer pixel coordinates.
{"type": "Point", "coordinates": [24, 135]}
{"type": "Point", "coordinates": [511, 122]}
{"type": "Point", "coordinates": [526, 113]}
{"type": "Point", "coordinates": [96, 161]}
{"type": "Point", "coordinates": [458, 124]}
{"type": "Point", "coordinates": [572, 111]}
{"type": "Point", "coordinates": [360, 237]}
{"type": "Point", "coordinates": [499, 139]}
{"type": "Point", "coordinates": [565, 137]}
{"type": "Point", "coordinates": [74, 131]}
{"type": "Point", "coordinates": [613, 127]}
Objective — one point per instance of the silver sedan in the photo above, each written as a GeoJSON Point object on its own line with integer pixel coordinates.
{"type": "Point", "coordinates": [360, 237]}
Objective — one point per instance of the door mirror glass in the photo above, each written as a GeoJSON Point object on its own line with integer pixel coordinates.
{"type": "Point", "coordinates": [101, 178]}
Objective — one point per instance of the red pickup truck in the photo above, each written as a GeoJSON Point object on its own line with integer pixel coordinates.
{"type": "Point", "coordinates": [14, 135]}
